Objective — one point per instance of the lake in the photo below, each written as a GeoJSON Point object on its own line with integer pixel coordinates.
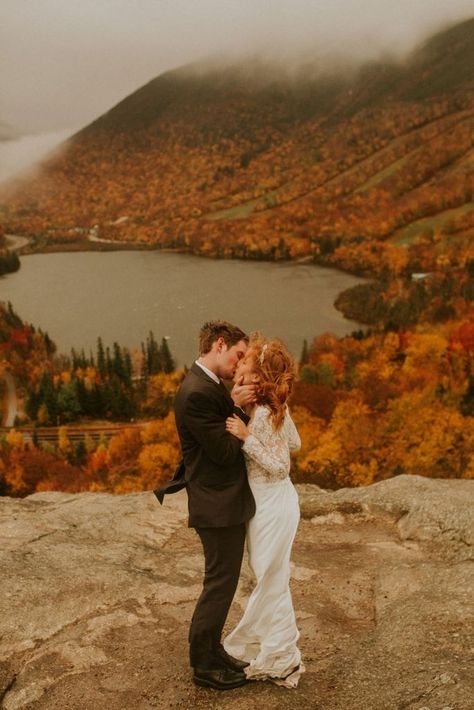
{"type": "Point", "coordinates": [123, 295]}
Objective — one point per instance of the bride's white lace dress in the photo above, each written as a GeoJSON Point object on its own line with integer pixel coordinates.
{"type": "Point", "coordinates": [267, 634]}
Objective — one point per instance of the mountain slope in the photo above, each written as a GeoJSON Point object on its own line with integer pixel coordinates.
{"type": "Point", "coordinates": [249, 161]}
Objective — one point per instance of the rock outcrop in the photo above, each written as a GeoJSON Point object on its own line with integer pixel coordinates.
{"type": "Point", "coordinates": [97, 592]}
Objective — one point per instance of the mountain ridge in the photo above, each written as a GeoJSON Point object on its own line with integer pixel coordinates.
{"type": "Point", "coordinates": [240, 162]}
{"type": "Point", "coordinates": [255, 74]}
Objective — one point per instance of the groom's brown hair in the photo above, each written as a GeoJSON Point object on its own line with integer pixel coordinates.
{"type": "Point", "coordinates": [215, 329]}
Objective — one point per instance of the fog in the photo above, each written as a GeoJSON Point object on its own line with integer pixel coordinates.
{"type": "Point", "coordinates": [63, 64]}
{"type": "Point", "coordinates": [16, 156]}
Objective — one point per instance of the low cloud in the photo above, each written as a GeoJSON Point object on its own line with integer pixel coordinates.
{"type": "Point", "coordinates": [19, 155]}
{"type": "Point", "coordinates": [66, 63]}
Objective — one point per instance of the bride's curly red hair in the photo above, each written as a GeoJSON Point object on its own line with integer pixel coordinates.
{"type": "Point", "coordinates": [276, 371]}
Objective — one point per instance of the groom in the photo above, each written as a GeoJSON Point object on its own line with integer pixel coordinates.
{"type": "Point", "coordinates": [219, 498]}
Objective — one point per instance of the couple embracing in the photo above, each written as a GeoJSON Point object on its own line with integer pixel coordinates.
{"type": "Point", "coordinates": [236, 462]}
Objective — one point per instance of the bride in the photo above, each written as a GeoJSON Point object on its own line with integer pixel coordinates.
{"type": "Point", "coordinates": [267, 634]}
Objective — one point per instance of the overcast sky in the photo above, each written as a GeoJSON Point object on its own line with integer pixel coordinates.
{"type": "Point", "coordinates": [65, 62]}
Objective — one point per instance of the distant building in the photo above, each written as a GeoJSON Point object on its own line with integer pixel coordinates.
{"type": "Point", "coordinates": [419, 277]}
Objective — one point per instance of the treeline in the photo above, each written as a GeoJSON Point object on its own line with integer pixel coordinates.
{"type": "Point", "coordinates": [9, 261]}
{"type": "Point", "coordinates": [24, 349]}
{"type": "Point", "coordinates": [102, 386]}
{"type": "Point", "coordinates": [402, 302]}
{"type": "Point", "coordinates": [8, 319]}
{"type": "Point", "coordinates": [368, 407]}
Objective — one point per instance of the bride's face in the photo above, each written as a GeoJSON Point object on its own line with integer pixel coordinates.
{"type": "Point", "coordinates": [245, 369]}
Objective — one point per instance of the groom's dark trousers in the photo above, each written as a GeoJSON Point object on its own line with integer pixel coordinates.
{"type": "Point", "coordinates": [223, 550]}
{"type": "Point", "coordinates": [219, 501]}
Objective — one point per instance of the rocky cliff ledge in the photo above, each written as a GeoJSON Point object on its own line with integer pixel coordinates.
{"type": "Point", "coordinates": [97, 592]}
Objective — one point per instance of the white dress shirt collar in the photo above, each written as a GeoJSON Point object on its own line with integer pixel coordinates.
{"type": "Point", "coordinates": [211, 374]}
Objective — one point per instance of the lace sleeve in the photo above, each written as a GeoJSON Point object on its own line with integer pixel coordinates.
{"type": "Point", "coordinates": [291, 432]}
{"type": "Point", "coordinates": [268, 448]}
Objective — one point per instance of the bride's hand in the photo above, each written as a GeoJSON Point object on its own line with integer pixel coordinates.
{"type": "Point", "coordinates": [236, 426]}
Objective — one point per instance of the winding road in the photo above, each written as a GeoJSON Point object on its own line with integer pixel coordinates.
{"type": "Point", "coordinates": [15, 242]}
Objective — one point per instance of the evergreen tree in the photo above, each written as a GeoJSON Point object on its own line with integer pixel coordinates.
{"type": "Point", "coordinates": [68, 403]}
{"type": "Point", "coordinates": [35, 439]}
{"type": "Point", "coordinates": [108, 361]}
{"type": "Point", "coordinates": [128, 367]}
{"type": "Point", "coordinates": [153, 355]}
{"type": "Point", "coordinates": [49, 397]}
{"type": "Point", "coordinates": [82, 395]}
{"type": "Point", "coordinates": [467, 400]}
{"type": "Point", "coordinates": [80, 453]}
{"type": "Point", "coordinates": [11, 317]}
{"type": "Point", "coordinates": [75, 359]}
{"type": "Point", "coordinates": [96, 402]}
{"type": "Point", "coordinates": [304, 358]}
{"type": "Point", "coordinates": [101, 365]}
{"type": "Point", "coordinates": [144, 370]}
{"type": "Point", "coordinates": [167, 362]}
{"type": "Point", "coordinates": [32, 404]}
{"type": "Point", "coordinates": [118, 365]}
{"type": "Point", "coordinates": [49, 345]}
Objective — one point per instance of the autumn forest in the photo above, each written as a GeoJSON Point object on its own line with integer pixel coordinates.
{"type": "Point", "coordinates": [368, 170]}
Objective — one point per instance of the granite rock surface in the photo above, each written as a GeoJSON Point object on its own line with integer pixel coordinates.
{"type": "Point", "coordinates": [97, 592]}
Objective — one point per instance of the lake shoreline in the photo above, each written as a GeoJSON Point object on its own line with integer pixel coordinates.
{"type": "Point", "coordinates": [86, 245]}
{"type": "Point", "coordinates": [120, 296]}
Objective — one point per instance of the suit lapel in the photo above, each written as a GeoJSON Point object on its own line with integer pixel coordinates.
{"type": "Point", "coordinates": [199, 372]}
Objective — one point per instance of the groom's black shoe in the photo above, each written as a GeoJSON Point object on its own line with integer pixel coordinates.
{"type": "Point", "coordinates": [219, 678]}
{"type": "Point", "coordinates": [234, 663]}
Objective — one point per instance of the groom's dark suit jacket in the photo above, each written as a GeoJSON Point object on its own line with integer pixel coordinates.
{"type": "Point", "coordinates": [214, 470]}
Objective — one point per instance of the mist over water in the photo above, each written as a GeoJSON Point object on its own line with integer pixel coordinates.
{"type": "Point", "coordinates": [19, 155]}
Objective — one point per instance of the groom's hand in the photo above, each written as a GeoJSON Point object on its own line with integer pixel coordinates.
{"type": "Point", "coordinates": [243, 394]}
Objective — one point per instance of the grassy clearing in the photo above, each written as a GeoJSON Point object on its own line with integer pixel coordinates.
{"type": "Point", "coordinates": [381, 175]}
{"type": "Point", "coordinates": [407, 234]}
{"type": "Point", "coordinates": [237, 212]}
{"type": "Point", "coordinates": [246, 208]}
{"type": "Point", "coordinates": [411, 149]}
{"type": "Point", "coordinates": [464, 164]}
